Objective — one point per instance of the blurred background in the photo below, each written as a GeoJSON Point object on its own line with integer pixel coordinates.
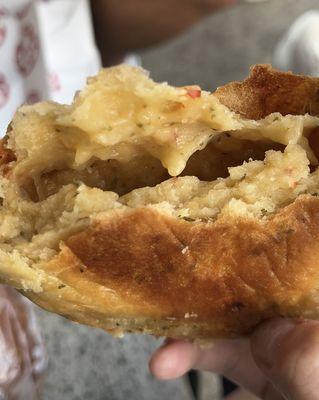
{"type": "Point", "coordinates": [219, 49]}
{"type": "Point", "coordinates": [222, 47]}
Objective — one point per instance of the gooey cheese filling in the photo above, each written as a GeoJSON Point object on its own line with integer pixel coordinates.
{"type": "Point", "coordinates": [122, 115]}
{"type": "Point", "coordinates": [124, 133]}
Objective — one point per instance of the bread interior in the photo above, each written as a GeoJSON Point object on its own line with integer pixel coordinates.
{"type": "Point", "coordinates": [127, 142]}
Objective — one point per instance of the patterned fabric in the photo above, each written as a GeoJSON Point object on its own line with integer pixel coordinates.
{"type": "Point", "coordinates": [43, 53]}
{"type": "Point", "coordinates": [22, 355]}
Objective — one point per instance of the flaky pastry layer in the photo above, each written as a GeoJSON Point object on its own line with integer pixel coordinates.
{"type": "Point", "coordinates": [171, 211]}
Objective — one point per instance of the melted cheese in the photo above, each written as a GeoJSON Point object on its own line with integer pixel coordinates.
{"type": "Point", "coordinates": [122, 115]}
{"type": "Point", "coordinates": [126, 106]}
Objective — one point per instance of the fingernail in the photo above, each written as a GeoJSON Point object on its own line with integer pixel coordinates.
{"type": "Point", "coordinates": [268, 339]}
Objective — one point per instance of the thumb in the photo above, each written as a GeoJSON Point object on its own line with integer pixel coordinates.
{"type": "Point", "coordinates": [287, 352]}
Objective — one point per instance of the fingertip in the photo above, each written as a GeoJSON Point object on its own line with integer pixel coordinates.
{"type": "Point", "coordinates": [286, 351]}
{"type": "Point", "coordinates": [173, 359]}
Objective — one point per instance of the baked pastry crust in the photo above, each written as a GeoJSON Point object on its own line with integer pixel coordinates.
{"type": "Point", "coordinates": [138, 268]}
{"type": "Point", "coordinates": [267, 91]}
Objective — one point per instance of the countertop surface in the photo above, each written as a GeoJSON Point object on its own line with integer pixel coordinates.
{"type": "Point", "coordinates": [89, 364]}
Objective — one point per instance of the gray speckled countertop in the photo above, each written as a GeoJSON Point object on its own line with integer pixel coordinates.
{"type": "Point", "coordinates": [86, 363]}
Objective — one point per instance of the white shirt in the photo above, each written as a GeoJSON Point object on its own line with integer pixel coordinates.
{"type": "Point", "coordinates": [47, 50]}
{"type": "Point", "coordinates": [298, 49]}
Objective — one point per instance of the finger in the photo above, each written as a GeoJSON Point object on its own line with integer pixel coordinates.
{"type": "Point", "coordinates": [288, 354]}
{"type": "Point", "coordinates": [241, 394]}
{"type": "Point", "coordinates": [230, 358]}
{"type": "Point", "coordinates": [173, 359]}
{"type": "Point", "coordinates": [233, 359]}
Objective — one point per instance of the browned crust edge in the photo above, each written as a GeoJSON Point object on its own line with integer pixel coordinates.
{"type": "Point", "coordinates": [267, 90]}
{"type": "Point", "coordinates": [232, 275]}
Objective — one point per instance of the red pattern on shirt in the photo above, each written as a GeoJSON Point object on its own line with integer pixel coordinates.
{"type": "Point", "coordinates": [54, 82]}
{"type": "Point", "coordinates": [4, 90]}
{"type": "Point", "coordinates": [3, 34]}
{"type": "Point", "coordinates": [24, 11]}
{"type": "Point", "coordinates": [27, 51]}
{"type": "Point", "coordinates": [33, 96]}
{"type": "Point", "coordinates": [3, 11]}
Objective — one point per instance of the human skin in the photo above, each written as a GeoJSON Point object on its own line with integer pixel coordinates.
{"type": "Point", "coordinates": [129, 25]}
{"type": "Point", "coordinates": [280, 360]}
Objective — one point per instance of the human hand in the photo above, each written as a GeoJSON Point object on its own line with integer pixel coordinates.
{"type": "Point", "coordinates": [279, 361]}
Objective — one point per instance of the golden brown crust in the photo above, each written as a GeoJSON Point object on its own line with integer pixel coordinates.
{"type": "Point", "coordinates": [267, 90]}
{"type": "Point", "coordinates": [214, 279]}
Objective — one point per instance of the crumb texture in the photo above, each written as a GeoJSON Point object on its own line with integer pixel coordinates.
{"type": "Point", "coordinates": [144, 207]}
